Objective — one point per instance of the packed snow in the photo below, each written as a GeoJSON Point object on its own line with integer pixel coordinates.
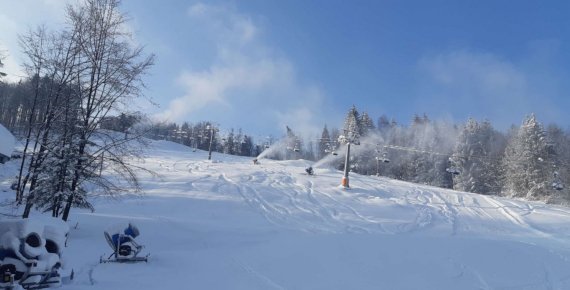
{"type": "Point", "coordinates": [230, 224]}
{"type": "Point", "coordinates": [7, 141]}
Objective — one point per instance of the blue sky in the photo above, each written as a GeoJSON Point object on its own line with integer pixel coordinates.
{"type": "Point", "coordinates": [261, 65]}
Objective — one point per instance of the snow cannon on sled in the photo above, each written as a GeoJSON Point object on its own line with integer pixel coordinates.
{"type": "Point", "coordinates": [121, 239]}
{"type": "Point", "coordinates": [31, 254]}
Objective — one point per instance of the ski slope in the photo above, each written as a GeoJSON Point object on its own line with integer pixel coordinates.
{"type": "Point", "coordinates": [229, 224]}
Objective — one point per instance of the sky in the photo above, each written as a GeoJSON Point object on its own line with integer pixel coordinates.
{"type": "Point", "coordinates": [260, 65]}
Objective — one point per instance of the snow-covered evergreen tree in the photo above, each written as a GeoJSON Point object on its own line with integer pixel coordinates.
{"type": "Point", "coordinates": [229, 143]}
{"type": "Point", "coordinates": [324, 144]}
{"type": "Point", "coordinates": [2, 74]}
{"type": "Point", "coordinates": [366, 124]}
{"type": "Point", "coordinates": [476, 156]}
{"type": "Point", "coordinates": [527, 164]}
{"type": "Point", "coordinates": [559, 149]}
{"type": "Point", "coordinates": [383, 125]}
{"type": "Point", "coordinates": [237, 144]}
{"type": "Point", "coordinates": [352, 127]}
{"type": "Point", "coordinates": [247, 146]}
{"type": "Point", "coordinates": [421, 136]}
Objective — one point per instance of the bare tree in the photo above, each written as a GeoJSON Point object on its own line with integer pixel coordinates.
{"type": "Point", "coordinates": [110, 75]}
{"type": "Point", "coordinates": [91, 69]}
{"type": "Point", "coordinates": [33, 46]}
{"type": "Point", "coordinates": [59, 64]}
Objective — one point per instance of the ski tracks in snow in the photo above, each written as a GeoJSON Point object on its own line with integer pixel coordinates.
{"type": "Point", "coordinates": [517, 219]}
{"type": "Point", "coordinates": [465, 211]}
{"type": "Point", "coordinates": [285, 201]}
{"type": "Point", "coordinates": [258, 275]}
{"type": "Point", "coordinates": [308, 203]}
{"type": "Point", "coordinates": [85, 274]}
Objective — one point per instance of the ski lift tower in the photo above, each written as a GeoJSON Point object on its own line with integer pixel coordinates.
{"type": "Point", "coordinates": [557, 182]}
{"type": "Point", "coordinates": [212, 130]}
{"type": "Point", "coordinates": [381, 158]}
{"type": "Point", "coordinates": [454, 171]}
{"type": "Point", "coordinates": [348, 138]}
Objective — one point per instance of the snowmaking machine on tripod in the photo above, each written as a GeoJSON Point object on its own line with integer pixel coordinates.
{"type": "Point", "coordinates": [122, 241]}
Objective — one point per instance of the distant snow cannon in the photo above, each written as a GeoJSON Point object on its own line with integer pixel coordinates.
{"type": "Point", "coordinates": [557, 182]}
{"type": "Point", "coordinates": [383, 158]}
{"type": "Point", "coordinates": [26, 261]}
{"type": "Point", "coordinates": [453, 170]}
{"type": "Point", "coordinates": [121, 239]}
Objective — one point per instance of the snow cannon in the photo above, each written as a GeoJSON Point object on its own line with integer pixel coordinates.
{"type": "Point", "coordinates": [121, 239]}
{"type": "Point", "coordinates": [25, 259]}
{"type": "Point", "coordinates": [56, 234]}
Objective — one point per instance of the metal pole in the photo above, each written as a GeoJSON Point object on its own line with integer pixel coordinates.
{"type": "Point", "coordinates": [210, 148]}
{"type": "Point", "coordinates": [101, 167]}
{"type": "Point", "coordinates": [346, 167]}
{"type": "Point", "coordinates": [377, 166]}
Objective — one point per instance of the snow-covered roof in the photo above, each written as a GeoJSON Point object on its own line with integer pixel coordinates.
{"type": "Point", "coordinates": [7, 141]}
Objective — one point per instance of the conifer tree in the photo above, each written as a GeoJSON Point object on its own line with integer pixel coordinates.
{"type": "Point", "coordinates": [366, 124]}
{"type": "Point", "coordinates": [324, 143]}
{"type": "Point", "coordinates": [476, 157]}
{"type": "Point", "coordinates": [352, 127]}
{"type": "Point", "coordinates": [2, 74]}
{"type": "Point", "coordinates": [527, 163]}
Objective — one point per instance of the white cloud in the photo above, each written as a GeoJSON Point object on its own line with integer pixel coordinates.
{"type": "Point", "coordinates": [247, 83]}
{"type": "Point", "coordinates": [17, 17]}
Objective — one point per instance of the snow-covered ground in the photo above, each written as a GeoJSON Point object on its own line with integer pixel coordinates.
{"type": "Point", "coordinates": [229, 224]}
{"type": "Point", "coordinates": [7, 141]}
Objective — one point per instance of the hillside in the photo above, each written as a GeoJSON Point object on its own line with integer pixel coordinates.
{"type": "Point", "coordinates": [229, 224]}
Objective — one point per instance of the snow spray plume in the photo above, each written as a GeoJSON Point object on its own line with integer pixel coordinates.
{"type": "Point", "coordinates": [330, 158]}
{"type": "Point", "coordinates": [366, 144]}
{"type": "Point", "coordinates": [275, 148]}
{"type": "Point", "coordinates": [289, 142]}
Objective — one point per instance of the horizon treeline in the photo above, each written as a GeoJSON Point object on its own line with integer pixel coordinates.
{"type": "Point", "coordinates": [529, 161]}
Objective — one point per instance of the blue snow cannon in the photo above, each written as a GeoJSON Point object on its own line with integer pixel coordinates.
{"type": "Point", "coordinates": [125, 248]}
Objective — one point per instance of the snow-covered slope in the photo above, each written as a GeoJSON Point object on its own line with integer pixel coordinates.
{"type": "Point", "coordinates": [229, 224]}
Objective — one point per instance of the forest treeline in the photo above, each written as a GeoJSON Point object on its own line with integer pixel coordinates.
{"type": "Point", "coordinates": [530, 160]}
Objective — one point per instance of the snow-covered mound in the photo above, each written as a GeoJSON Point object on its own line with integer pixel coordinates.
{"type": "Point", "coordinates": [7, 141]}
{"type": "Point", "coordinates": [229, 224]}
